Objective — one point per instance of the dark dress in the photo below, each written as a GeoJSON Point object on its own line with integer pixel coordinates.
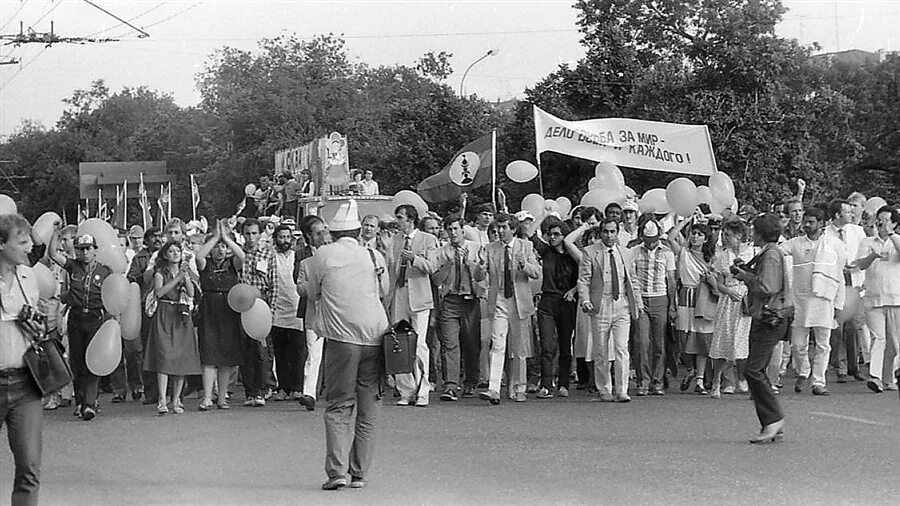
{"type": "Point", "coordinates": [172, 345]}
{"type": "Point", "coordinates": [219, 327]}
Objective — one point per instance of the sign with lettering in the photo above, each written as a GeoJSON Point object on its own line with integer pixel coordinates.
{"type": "Point", "coordinates": [653, 145]}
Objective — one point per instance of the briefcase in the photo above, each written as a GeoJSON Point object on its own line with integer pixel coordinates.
{"type": "Point", "coordinates": [400, 349]}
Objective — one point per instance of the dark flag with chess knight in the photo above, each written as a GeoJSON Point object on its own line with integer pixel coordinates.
{"type": "Point", "coordinates": [470, 167]}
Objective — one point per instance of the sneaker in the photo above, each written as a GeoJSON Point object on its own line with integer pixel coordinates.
{"type": "Point", "coordinates": [742, 387]}
{"type": "Point", "coordinates": [77, 412]}
{"type": "Point", "coordinates": [873, 384]}
{"type": "Point", "coordinates": [563, 392]}
{"type": "Point", "coordinates": [799, 384]}
{"type": "Point", "coordinates": [296, 395]}
{"type": "Point", "coordinates": [520, 397]}
{"type": "Point", "coordinates": [642, 392]}
{"type": "Point", "coordinates": [604, 397]}
{"type": "Point", "coordinates": [335, 483]}
{"type": "Point", "coordinates": [250, 401]}
{"type": "Point", "coordinates": [88, 413]}
{"type": "Point", "coordinates": [307, 401]}
{"type": "Point", "coordinates": [116, 399]}
{"type": "Point", "coordinates": [51, 403]}
{"type": "Point", "coordinates": [543, 393]}
{"type": "Point", "coordinates": [820, 390]}
{"type": "Point", "coordinates": [890, 387]}
{"type": "Point", "coordinates": [422, 402]}
{"type": "Point", "coordinates": [491, 396]}
{"type": "Point", "coordinates": [699, 388]}
{"type": "Point", "coordinates": [403, 401]}
{"type": "Point", "coordinates": [259, 401]}
{"type": "Point", "coordinates": [281, 396]}
{"type": "Point", "coordinates": [468, 393]}
{"type": "Point", "coordinates": [657, 390]}
{"type": "Point", "coordinates": [623, 398]}
{"type": "Point", "coordinates": [449, 395]}
{"type": "Point", "coordinates": [728, 390]}
{"type": "Point", "coordinates": [357, 482]}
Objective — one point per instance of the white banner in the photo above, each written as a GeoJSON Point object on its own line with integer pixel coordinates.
{"type": "Point", "coordinates": [667, 147]}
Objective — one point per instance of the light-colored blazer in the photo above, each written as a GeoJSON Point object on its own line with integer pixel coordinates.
{"type": "Point", "coordinates": [418, 273]}
{"type": "Point", "coordinates": [494, 254]}
{"type": "Point", "coordinates": [446, 256]}
{"type": "Point", "coordinates": [590, 278]}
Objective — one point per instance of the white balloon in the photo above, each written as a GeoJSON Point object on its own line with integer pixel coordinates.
{"type": "Point", "coordinates": [7, 205]}
{"type": "Point", "coordinates": [521, 171]}
{"type": "Point", "coordinates": [412, 198]}
{"type": "Point", "coordinates": [44, 226]}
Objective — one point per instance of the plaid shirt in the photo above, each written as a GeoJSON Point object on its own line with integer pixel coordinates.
{"type": "Point", "coordinates": [259, 271]}
{"type": "Point", "coordinates": [651, 268]}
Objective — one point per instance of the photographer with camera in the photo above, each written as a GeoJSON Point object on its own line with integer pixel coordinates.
{"type": "Point", "coordinates": [20, 397]}
{"type": "Point", "coordinates": [765, 303]}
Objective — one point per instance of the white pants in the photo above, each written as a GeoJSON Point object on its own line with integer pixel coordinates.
{"type": "Point", "coordinates": [506, 320]}
{"type": "Point", "coordinates": [485, 337]}
{"type": "Point", "coordinates": [313, 361]}
{"type": "Point", "coordinates": [800, 349]}
{"type": "Point", "coordinates": [884, 328]}
{"type": "Point", "coordinates": [612, 323]}
{"type": "Point", "coordinates": [414, 386]}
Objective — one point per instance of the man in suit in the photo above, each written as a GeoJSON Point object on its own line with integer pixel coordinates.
{"type": "Point", "coordinates": [509, 264]}
{"type": "Point", "coordinates": [608, 291]}
{"type": "Point", "coordinates": [460, 313]}
{"type": "Point", "coordinates": [412, 260]}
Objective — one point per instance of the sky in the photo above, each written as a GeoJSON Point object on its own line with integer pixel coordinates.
{"type": "Point", "coordinates": [530, 39]}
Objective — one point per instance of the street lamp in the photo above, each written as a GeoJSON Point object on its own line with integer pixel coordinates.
{"type": "Point", "coordinates": [462, 82]}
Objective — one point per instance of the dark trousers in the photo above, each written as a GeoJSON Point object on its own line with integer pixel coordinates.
{"type": "Point", "coordinates": [556, 321]}
{"type": "Point", "coordinates": [844, 354]}
{"type": "Point", "coordinates": [290, 356]}
{"type": "Point", "coordinates": [129, 374]}
{"type": "Point", "coordinates": [762, 341]}
{"type": "Point", "coordinates": [650, 343]}
{"type": "Point", "coordinates": [82, 327]}
{"type": "Point", "coordinates": [433, 341]}
{"type": "Point", "coordinates": [460, 324]}
{"type": "Point", "coordinates": [256, 368]}
{"type": "Point", "coordinates": [21, 411]}
{"type": "Point", "coordinates": [352, 387]}
{"type": "Point", "coordinates": [671, 349]}
{"type": "Point", "coordinates": [151, 389]}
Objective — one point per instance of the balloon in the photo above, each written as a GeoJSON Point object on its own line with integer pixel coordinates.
{"type": "Point", "coordinates": [550, 207]}
{"type": "Point", "coordinates": [681, 195]}
{"type": "Point", "coordinates": [105, 350]}
{"type": "Point", "coordinates": [565, 205]}
{"type": "Point", "coordinates": [534, 204]}
{"type": "Point", "coordinates": [602, 197]}
{"type": "Point", "coordinates": [131, 317]}
{"type": "Point", "coordinates": [102, 231]}
{"type": "Point", "coordinates": [47, 283]}
{"type": "Point", "coordinates": [45, 226]}
{"type": "Point", "coordinates": [249, 190]}
{"type": "Point", "coordinates": [654, 201]}
{"type": "Point", "coordinates": [7, 205]}
{"type": "Point", "coordinates": [241, 297]}
{"type": "Point", "coordinates": [114, 293]}
{"type": "Point", "coordinates": [874, 204]}
{"type": "Point", "coordinates": [852, 304]}
{"type": "Point", "coordinates": [521, 171]}
{"type": "Point", "coordinates": [721, 187]}
{"type": "Point", "coordinates": [609, 176]}
{"type": "Point", "coordinates": [114, 258]}
{"type": "Point", "coordinates": [705, 195]}
{"type": "Point", "coordinates": [257, 322]}
{"type": "Point", "coordinates": [413, 199]}
{"type": "Point", "coordinates": [630, 193]}
{"type": "Point", "coordinates": [593, 184]}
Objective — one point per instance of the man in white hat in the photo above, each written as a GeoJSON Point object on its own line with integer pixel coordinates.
{"type": "Point", "coordinates": [346, 280]}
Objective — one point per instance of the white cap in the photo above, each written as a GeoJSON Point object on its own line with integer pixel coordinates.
{"type": "Point", "coordinates": [651, 230]}
{"type": "Point", "coordinates": [524, 215]}
{"type": "Point", "coordinates": [346, 218]}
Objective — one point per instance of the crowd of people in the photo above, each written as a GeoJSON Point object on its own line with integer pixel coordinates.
{"type": "Point", "coordinates": [501, 304]}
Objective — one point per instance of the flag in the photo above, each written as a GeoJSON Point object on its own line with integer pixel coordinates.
{"type": "Point", "coordinates": [119, 211]}
{"type": "Point", "coordinates": [169, 202]}
{"type": "Point", "coordinates": [147, 215]}
{"type": "Point", "coordinates": [470, 167]}
{"type": "Point", "coordinates": [195, 196]}
{"type": "Point", "coordinates": [102, 212]}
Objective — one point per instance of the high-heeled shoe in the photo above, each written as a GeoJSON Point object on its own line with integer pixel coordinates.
{"type": "Point", "coordinates": [772, 433]}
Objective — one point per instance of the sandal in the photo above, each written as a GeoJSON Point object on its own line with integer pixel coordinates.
{"type": "Point", "coordinates": [223, 405]}
{"type": "Point", "coordinates": [699, 388]}
{"type": "Point", "coordinates": [161, 409]}
{"type": "Point", "coordinates": [177, 407]}
{"type": "Point", "coordinates": [205, 405]}
{"type": "Point", "coordinates": [686, 382]}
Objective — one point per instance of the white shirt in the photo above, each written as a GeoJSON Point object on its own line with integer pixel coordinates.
{"type": "Point", "coordinates": [853, 236]}
{"type": "Point", "coordinates": [12, 343]}
{"type": "Point", "coordinates": [369, 187]}
{"type": "Point", "coordinates": [883, 276]}
{"type": "Point", "coordinates": [286, 298]}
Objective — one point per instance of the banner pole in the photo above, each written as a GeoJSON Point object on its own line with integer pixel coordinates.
{"type": "Point", "coordinates": [193, 204]}
{"type": "Point", "coordinates": [494, 167]}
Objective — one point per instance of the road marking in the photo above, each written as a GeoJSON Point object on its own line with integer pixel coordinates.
{"type": "Point", "coordinates": [849, 418]}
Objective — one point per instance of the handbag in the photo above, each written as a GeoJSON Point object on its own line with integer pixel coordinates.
{"type": "Point", "coordinates": [150, 303]}
{"type": "Point", "coordinates": [707, 302]}
{"type": "Point", "coordinates": [770, 313]}
{"type": "Point", "coordinates": [400, 349]}
{"type": "Point", "coordinates": [44, 357]}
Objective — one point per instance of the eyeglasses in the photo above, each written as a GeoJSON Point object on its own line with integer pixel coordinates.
{"type": "Point", "coordinates": [556, 234]}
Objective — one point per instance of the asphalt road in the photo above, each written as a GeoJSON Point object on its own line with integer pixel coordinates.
{"type": "Point", "coordinates": [677, 449]}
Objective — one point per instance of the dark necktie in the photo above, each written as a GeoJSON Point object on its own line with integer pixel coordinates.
{"type": "Point", "coordinates": [614, 274]}
{"type": "Point", "coordinates": [848, 281]}
{"type": "Point", "coordinates": [459, 269]}
{"type": "Point", "coordinates": [401, 279]}
{"type": "Point", "coordinates": [507, 275]}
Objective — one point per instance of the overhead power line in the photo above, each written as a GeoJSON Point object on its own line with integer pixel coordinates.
{"type": "Point", "coordinates": [182, 11]}
{"type": "Point", "coordinates": [101, 9]}
{"type": "Point", "coordinates": [14, 14]}
{"type": "Point", "coordinates": [23, 67]}
{"type": "Point", "coordinates": [148, 11]}
{"type": "Point", "coordinates": [55, 4]}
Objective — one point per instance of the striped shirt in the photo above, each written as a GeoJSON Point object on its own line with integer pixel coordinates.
{"type": "Point", "coordinates": [651, 268]}
{"type": "Point", "coordinates": [259, 271]}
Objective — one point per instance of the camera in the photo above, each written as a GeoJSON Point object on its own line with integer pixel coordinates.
{"type": "Point", "coordinates": [739, 267]}
{"type": "Point", "coordinates": [28, 314]}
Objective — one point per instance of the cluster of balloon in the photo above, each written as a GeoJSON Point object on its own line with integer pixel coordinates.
{"type": "Point", "coordinates": [874, 204]}
{"type": "Point", "coordinates": [521, 171]}
{"type": "Point", "coordinates": [682, 196]}
{"type": "Point", "coordinates": [607, 186]}
{"type": "Point", "coordinates": [109, 252]}
{"type": "Point", "coordinates": [256, 316]}
{"type": "Point", "coordinates": [722, 189]}
{"type": "Point", "coordinates": [45, 226]}
{"type": "Point", "coordinates": [105, 349]}
{"type": "Point", "coordinates": [412, 198]}
{"type": "Point", "coordinates": [131, 316]}
{"type": "Point", "coordinates": [539, 207]}
{"type": "Point", "coordinates": [7, 205]}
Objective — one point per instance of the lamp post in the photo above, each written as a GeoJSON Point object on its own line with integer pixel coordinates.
{"type": "Point", "coordinates": [462, 82]}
